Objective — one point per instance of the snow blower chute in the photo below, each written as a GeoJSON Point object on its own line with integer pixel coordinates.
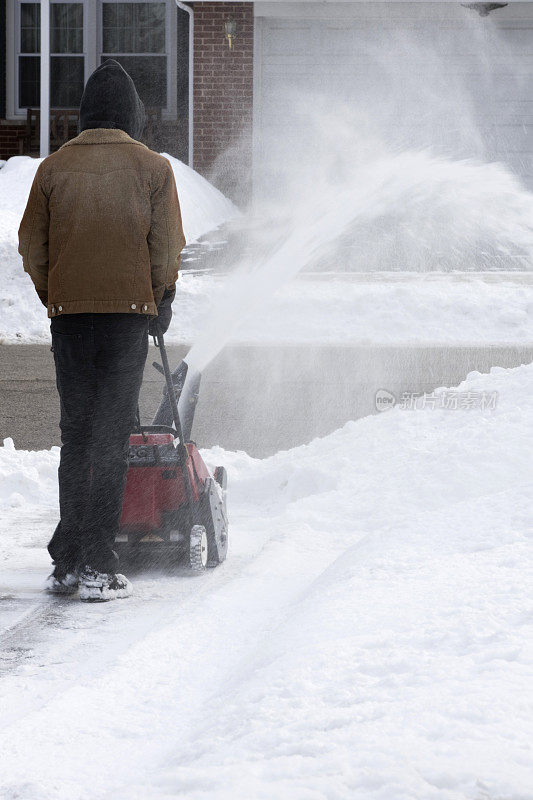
{"type": "Point", "coordinates": [174, 510]}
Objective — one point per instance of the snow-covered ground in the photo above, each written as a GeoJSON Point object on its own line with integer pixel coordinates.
{"type": "Point", "coordinates": [402, 308]}
{"type": "Point", "coordinates": [369, 637]}
{"type": "Point", "coordinates": [23, 318]}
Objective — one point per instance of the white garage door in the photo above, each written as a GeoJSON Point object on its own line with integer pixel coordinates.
{"type": "Point", "coordinates": [416, 75]}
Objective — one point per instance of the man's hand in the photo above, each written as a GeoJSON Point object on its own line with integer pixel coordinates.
{"type": "Point", "coordinates": [164, 313]}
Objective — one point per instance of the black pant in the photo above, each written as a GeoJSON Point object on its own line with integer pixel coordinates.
{"type": "Point", "coordinates": [99, 361]}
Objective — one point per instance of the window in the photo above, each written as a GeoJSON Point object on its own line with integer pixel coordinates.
{"type": "Point", "coordinates": [135, 35]}
{"type": "Point", "coordinates": [66, 69]}
{"type": "Point", "coordinates": [67, 61]}
{"type": "Point", "coordinates": [142, 36]}
{"type": "Point", "coordinates": [29, 65]}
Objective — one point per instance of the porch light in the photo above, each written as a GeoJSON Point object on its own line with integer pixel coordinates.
{"type": "Point", "coordinates": [230, 28]}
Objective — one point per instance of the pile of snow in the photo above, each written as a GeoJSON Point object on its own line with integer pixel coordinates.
{"type": "Point", "coordinates": [27, 477]}
{"type": "Point", "coordinates": [203, 207]}
{"type": "Point", "coordinates": [422, 212]}
{"type": "Point", "coordinates": [22, 316]}
{"type": "Point", "coordinates": [369, 636]}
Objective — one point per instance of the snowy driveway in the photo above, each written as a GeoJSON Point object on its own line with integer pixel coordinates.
{"type": "Point", "coordinates": [368, 638]}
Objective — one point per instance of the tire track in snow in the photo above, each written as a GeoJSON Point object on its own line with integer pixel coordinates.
{"type": "Point", "coordinates": [157, 662]}
{"type": "Point", "coordinates": [19, 637]}
{"type": "Point", "coordinates": [63, 643]}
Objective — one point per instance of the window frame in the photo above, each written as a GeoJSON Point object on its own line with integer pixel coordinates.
{"type": "Point", "coordinates": [167, 111]}
{"type": "Point", "coordinates": [17, 109]}
{"type": "Point", "coordinates": [92, 40]}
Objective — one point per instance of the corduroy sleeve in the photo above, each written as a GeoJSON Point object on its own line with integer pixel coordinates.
{"type": "Point", "coordinates": [33, 236]}
{"type": "Point", "coordinates": [166, 239]}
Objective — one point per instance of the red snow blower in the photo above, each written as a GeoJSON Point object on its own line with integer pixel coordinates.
{"type": "Point", "coordinates": [174, 510]}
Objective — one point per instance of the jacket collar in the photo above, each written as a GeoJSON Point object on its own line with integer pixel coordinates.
{"type": "Point", "coordinates": [103, 136]}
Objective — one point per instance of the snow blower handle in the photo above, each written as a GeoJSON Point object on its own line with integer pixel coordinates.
{"type": "Point", "coordinates": [183, 453]}
{"type": "Point", "coordinates": [160, 343]}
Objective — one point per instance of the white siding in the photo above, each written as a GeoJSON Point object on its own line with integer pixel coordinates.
{"type": "Point", "coordinates": [426, 74]}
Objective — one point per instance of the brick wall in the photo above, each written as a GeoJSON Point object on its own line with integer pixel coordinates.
{"type": "Point", "coordinates": [223, 96]}
{"type": "Point", "coordinates": [9, 140]}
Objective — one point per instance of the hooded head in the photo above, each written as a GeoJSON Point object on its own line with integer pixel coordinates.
{"type": "Point", "coordinates": [110, 100]}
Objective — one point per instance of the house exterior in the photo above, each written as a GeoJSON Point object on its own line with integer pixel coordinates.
{"type": "Point", "coordinates": [151, 40]}
{"type": "Point", "coordinates": [240, 101]}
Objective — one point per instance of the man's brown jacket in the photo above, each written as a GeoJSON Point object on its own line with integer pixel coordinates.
{"type": "Point", "coordinates": [102, 228]}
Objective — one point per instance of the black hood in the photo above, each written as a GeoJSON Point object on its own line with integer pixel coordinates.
{"type": "Point", "coordinates": [110, 100]}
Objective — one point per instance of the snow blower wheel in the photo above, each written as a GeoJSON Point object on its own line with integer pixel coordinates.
{"type": "Point", "coordinates": [198, 548]}
{"type": "Point", "coordinates": [213, 514]}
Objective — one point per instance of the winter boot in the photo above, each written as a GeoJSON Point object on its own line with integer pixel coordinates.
{"type": "Point", "coordinates": [62, 581]}
{"type": "Point", "coordinates": [97, 587]}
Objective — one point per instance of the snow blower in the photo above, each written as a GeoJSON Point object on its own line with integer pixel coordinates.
{"type": "Point", "coordinates": [174, 510]}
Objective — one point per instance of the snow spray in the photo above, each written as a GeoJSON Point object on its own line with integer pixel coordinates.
{"type": "Point", "coordinates": [477, 204]}
{"type": "Point", "coordinates": [395, 174]}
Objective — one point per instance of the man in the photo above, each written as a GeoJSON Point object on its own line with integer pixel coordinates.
{"type": "Point", "coordinates": [101, 239]}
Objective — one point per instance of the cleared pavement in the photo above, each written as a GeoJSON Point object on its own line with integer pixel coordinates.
{"type": "Point", "coordinates": [258, 399]}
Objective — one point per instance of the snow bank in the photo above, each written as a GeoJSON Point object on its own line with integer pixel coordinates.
{"type": "Point", "coordinates": [22, 316]}
{"type": "Point", "coordinates": [203, 206]}
{"type": "Point", "coordinates": [28, 477]}
{"type": "Point", "coordinates": [368, 638]}
{"type": "Point", "coordinates": [403, 668]}
{"type": "Point", "coordinates": [382, 309]}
